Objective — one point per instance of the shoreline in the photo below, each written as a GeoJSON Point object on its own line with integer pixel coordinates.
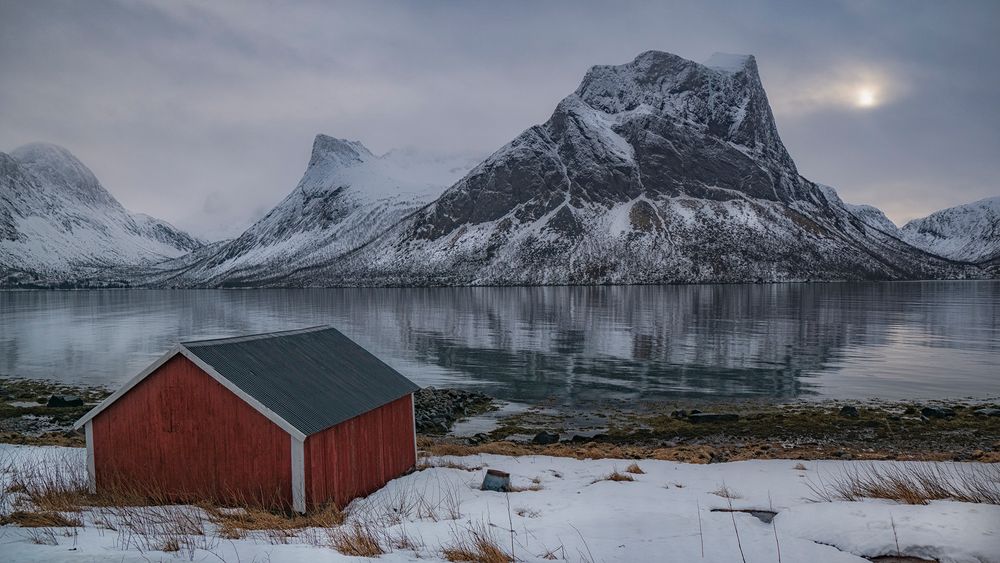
{"type": "Point", "coordinates": [458, 422]}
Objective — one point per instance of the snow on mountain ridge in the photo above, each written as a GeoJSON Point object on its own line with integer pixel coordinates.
{"type": "Point", "coordinates": [969, 232]}
{"type": "Point", "coordinates": [56, 219]}
{"type": "Point", "coordinates": [61, 169]}
{"type": "Point", "coordinates": [346, 196]}
{"type": "Point", "coordinates": [657, 170]}
{"type": "Point", "coordinates": [729, 62]}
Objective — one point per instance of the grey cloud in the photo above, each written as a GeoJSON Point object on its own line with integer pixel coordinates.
{"type": "Point", "coordinates": [177, 103]}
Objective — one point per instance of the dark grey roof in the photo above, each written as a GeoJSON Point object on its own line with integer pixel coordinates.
{"type": "Point", "coordinates": [313, 378]}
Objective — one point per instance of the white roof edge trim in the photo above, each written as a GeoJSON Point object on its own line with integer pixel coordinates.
{"type": "Point", "coordinates": [202, 365]}
{"type": "Point", "coordinates": [126, 388]}
{"type": "Point", "coordinates": [257, 405]}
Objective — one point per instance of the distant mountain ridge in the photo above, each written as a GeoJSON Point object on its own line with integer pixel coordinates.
{"type": "Point", "coordinates": [660, 170]}
{"type": "Point", "coordinates": [57, 220]}
{"type": "Point", "coordinates": [970, 232]}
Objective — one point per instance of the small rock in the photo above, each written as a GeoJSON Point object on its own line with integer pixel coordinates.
{"type": "Point", "coordinates": [986, 412]}
{"type": "Point", "coordinates": [712, 417]}
{"type": "Point", "coordinates": [695, 411]}
{"type": "Point", "coordinates": [679, 414]}
{"type": "Point", "coordinates": [849, 411]}
{"type": "Point", "coordinates": [937, 412]}
{"type": "Point", "coordinates": [544, 437]}
{"type": "Point", "coordinates": [64, 401]}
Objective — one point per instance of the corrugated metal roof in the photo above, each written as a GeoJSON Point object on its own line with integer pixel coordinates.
{"type": "Point", "coordinates": [313, 378]}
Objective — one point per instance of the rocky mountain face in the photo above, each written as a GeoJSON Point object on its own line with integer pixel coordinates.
{"type": "Point", "coordinates": [658, 170]}
{"type": "Point", "coordinates": [57, 221]}
{"type": "Point", "coordinates": [970, 232]}
{"type": "Point", "coordinates": [346, 197]}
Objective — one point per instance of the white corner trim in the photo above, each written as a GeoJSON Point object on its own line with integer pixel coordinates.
{"type": "Point", "coordinates": [180, 349]}
{"type": "Point", "coordinates": [413, 413]}
{"type": "Point", "coordinates": [91, 467]}
{"type": "Point", "coordinates": [298, 475]}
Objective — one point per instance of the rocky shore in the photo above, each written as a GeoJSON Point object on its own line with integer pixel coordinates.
{"type": "Point", "coordinates": [42, 413]}
{"type": "Point", "coordinates": [437, 410]}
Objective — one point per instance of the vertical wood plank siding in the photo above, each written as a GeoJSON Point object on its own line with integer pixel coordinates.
{"type": "Point", "coordinates": [183, 433]}
{"type": "Point", "coordinates": [360, 455]}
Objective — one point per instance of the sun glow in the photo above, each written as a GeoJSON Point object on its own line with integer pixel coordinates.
{"type": "Point", "coordinates": [865, 97]}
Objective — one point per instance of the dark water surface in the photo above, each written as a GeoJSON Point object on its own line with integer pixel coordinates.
{"type": "Point", "coordinates": [573, 345]}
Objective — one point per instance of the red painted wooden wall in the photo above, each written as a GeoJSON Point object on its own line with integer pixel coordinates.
{"type": "Point", "coordinates": [360, 455]}
{"type": "Point", "coordinates": [182, 432]}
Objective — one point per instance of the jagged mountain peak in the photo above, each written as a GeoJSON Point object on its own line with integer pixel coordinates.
{"type": "Point", "coordinates": [327, 149]}
{"type": "Point", "coordinates": [59, 168]}
{"type": "Point", "coordinates": [724, 97]}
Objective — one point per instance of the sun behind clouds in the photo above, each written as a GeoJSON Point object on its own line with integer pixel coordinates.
{"type": "Point", "coordinates": [866, 97]}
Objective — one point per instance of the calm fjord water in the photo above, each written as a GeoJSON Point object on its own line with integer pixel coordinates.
{"type": "Point", "coordinates": [573, 345]}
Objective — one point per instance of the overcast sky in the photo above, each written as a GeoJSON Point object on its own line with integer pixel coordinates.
{"type": "Point", "coordinates": [203, 113]}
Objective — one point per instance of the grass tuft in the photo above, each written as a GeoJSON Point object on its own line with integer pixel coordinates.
{"type": "Point", "coordinates": [476, 544]}
{"type": "Point", "coordinates": [634, 468]}
{"type": "Point", "coordinates": [359, 539]}
{"type": "Point", "coordinates": [32, 519]}
{"type": "Point", "coordinates": [913, 483]}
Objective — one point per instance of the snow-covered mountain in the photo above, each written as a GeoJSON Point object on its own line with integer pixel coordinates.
{"type": "Point", "coordinates": [56, 219]}
{"type": "Point", "coordinates": [970, 232]}
{"type": "Point", "coordinates": [658, 170]}
{"type": "Point", "coordinates": [346, 197]}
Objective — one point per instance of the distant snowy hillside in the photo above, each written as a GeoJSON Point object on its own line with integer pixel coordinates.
{"type": "Point", "coordinates": [346, 197]}
{"type": "Point", "coordinates": [969, 232]}
{"type": "Point", "coordinates": [658, 170]}
{"type": "Point", "coordinates": [57, 219]}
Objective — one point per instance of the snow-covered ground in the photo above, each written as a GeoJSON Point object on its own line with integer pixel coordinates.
{"type": "Point", "coordinates": [665, 514]}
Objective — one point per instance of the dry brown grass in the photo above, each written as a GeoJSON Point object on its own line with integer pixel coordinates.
{"type": "Point", "coordinates": [635, 469]}
{"type": "Point", "coordinates": [914, 483]}
{"type": "Point", "coordinates": [616, 476]}
{"type": "Point", "coordinates": [476, 544]}
{"type": "Point", "coordinates": [358, 539]}
{"type": "Point", "coordinates": [447, 464]}
{"type": "Point", "coordinates": [32, 519]}
{"type": "Point", "coordinates": [233, 522]}
{"type": "Point", "coordinates": [726, 493]}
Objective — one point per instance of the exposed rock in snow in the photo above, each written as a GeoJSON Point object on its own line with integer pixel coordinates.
{"type": "Point", "coordinates": [969, 232]}
{"type": "Point", "coordinates": [56, 218]}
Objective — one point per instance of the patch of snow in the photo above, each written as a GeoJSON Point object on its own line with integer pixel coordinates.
{"type": "Point", "coordinates": [727, 62]}
{"type": "Point", "coordinates": [669, 513]}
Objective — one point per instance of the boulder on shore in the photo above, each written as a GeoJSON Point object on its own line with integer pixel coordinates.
{"type": "Point", "coordinates": [64, 401]}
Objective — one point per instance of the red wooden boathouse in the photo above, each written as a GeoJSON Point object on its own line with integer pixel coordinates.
{"type": "Point", "coordinates": [287, 419]}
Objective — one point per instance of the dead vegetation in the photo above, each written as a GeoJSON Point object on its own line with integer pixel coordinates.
{"type": "Point", "coordinates": [616, 476]}
{"type": "Point", "coordinates": [476, 544]}
{"type": "Point", "coordinates": [32, 519]}
{"type": "Point", "coordinates": [912, 483]}
{"type": "Point", "coordinates": [635, 469]}
{"type": "Point", "coordinates": [359, 539]}
{"type": "Point", "coordinates": [726, 493]}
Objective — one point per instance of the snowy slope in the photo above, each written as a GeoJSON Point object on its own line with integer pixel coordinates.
{"type": "Point", "coordinates": [346, 197]}
{"type": "Point", "coordinates": [969, 232]}
{"type": "Point", "coordinates": [658, 170]}
{"type": "Point", "coordinates": [565, 510]}
{"type": "Point", "coordinates": [55, 217]}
